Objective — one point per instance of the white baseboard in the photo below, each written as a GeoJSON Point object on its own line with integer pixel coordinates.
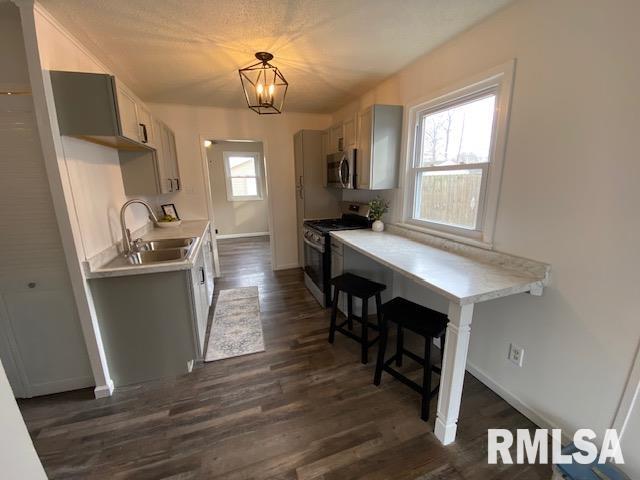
{"type": "Point", "coordinates": [536, 417]}
{"type": "Point", "coordinates": [104, 390]}
{"type": "Point", "coordinates": [65, 385]}
{"type": "Point", "coordinates": [242, 235]}
{"type": "Point", "coordinates": [286, 266]}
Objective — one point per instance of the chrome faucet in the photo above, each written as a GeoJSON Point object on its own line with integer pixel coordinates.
{"type": "Point", "coordinates": [126, 234]}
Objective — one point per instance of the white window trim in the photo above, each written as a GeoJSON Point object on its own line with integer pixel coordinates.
{"type": "Point", "coordinates": [227, 176]}
{"type": "Point", "coordinates": [500, 80]}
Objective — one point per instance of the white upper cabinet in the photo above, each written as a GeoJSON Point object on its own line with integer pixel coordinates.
{"type": "Point", "coordinates": [170, 172]}
{"type": "Point", "coordinates": [146, 129]}
{"type": "Point", "coordinates": [128, 114]}
{"type": "Point", "coordinates": [379, 139]}
{"type": "Point", "coordinates": [335, 139]}
{"type": "Point", "coordinates": [349, 133]}
{"type": "Point", "coordinates": [97, 108]}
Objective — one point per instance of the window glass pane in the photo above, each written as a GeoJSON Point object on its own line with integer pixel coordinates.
{"type": "Point", "coordinates": [242, 166]}
{"type": "Point", "coordinates": [244, 187]}
{"type": "Point", "coordinates": [449, 197]}
{"type": "Point", "coordinates": [458, 135]}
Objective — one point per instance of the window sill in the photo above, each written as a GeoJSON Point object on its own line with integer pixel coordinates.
{"type": "Point", "coordinates": [244, 199]}
{"type": "Point", "coordinates": [446, 235]}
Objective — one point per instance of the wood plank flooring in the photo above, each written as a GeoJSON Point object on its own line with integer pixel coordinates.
{"type": "Point", "coordinates": [301, 410]}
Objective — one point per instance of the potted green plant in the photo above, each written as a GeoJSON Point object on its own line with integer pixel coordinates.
{"type": "Point", "coordinates": [377, 208]}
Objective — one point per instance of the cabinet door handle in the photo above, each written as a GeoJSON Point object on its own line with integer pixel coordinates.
{"type": "Point", "coordinates": [203, 276]}
{"type": "Point", "coordinates": [144, 133]}
{"type": "Point", "coordinates": [170, 184]}
{"type": "Point", "coordinates": [177, 184]}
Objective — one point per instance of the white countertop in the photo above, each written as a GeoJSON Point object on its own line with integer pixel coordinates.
{"type": "Point", "coordinates": [460, 278]}
{"type": "Point", "coordinates": [118, 266]}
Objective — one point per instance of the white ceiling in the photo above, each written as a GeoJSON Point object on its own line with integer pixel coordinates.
{"type": "Point", "coordinates": [330, 51]}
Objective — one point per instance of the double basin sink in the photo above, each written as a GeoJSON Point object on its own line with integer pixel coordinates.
{"type": "Point", "coordinates": [157, 251]}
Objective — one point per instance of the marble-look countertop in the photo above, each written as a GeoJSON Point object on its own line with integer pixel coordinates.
{"type": "Point", "coordinates": [460, 278]}
{"type": "Point", "coordinates": [118, 266]}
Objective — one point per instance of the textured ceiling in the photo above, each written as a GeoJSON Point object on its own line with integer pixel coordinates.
{"type": "Point", "coordinates": [330, 51]}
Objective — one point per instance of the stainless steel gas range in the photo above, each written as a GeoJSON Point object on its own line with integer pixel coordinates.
{"type": "Point", "coordinates": [317, 247]}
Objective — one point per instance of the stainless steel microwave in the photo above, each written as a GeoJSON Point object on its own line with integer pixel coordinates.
{"type": "Point", "coordinates": [341, 169]}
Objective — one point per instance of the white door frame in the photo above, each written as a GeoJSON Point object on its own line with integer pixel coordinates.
{"type": "Point", "coordinates": [207, 188]}
{"type": "Point", "coordinates": [630, 397]}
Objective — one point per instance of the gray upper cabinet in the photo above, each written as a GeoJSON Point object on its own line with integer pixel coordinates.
{"type": "Point", "coordinates": [97, 108]}
{"type": "Point", "coordinates": [94, 107]}
{"type": "Point", "coordinates": [379, 138]}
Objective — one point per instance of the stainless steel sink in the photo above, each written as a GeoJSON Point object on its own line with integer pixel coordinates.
{"type": "Point", "coordinates": [169, 243]}
{"type": "Point", "coordinates": [145, 257]}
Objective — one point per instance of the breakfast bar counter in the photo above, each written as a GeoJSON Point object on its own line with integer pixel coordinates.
{"type": "Point", "coordinates": [465, 275]}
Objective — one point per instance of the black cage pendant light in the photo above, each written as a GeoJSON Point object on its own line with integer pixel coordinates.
{"type": "Point", "coordinates": [264, 86]}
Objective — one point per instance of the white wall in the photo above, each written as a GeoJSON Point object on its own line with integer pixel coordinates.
{"type": "Point", "coordinates": [17, 455]}
{"type": "Point", "coordinates": [569, 197]}
{"type": "Point", "coordinates": [192, 124]}
{"type": "Point", "coordinates": [93, 170]}
{"type": "Point", "coordinates": [238, 216]}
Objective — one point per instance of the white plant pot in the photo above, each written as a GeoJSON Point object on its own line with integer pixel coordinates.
{"type": "Point", "coordinates": [377, 226]}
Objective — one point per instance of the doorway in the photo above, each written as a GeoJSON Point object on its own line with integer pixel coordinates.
{"type": "Point", "coordinates": [240, 205]}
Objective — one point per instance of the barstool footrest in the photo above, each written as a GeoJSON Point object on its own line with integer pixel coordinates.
{"type": "Point", "coordinates": [353, 336]}
{"type": "Point", "coordinates": [410, 383]}
{"type": "Point", "coordinates": [359, 320]}
{"type": "Point", "coordinates": [398, 376]}
{"type": "Point", "coordinates": [413, 356]}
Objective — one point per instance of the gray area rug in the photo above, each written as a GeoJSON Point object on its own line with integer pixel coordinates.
{"type": "Point", "coordinates": [236, 329]}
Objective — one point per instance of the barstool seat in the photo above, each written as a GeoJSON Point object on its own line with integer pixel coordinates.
{"type": "Point", "coordinates": [423, 321]}
{"type": "Point", "coordinates": [417, 318]}
{"type": "Point", "coordinates": [364, 289]}
{"type": "Point", "coordinates": [357, 286]}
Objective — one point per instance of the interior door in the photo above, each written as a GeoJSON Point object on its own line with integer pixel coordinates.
{"type": "Point", "coordinates": [38, 314]}
{"type": "Point", "coordinates": [299, 173]}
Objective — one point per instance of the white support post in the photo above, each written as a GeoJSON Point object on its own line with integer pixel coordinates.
{"type": "Point", "coordinates": [453, 370]}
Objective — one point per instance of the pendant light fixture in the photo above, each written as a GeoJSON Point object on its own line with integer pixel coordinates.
{"type": "Point", "coordinates": [264, 86]}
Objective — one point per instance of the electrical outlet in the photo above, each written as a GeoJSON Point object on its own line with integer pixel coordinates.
{"type": "Point", "coordinates": [516, 354]}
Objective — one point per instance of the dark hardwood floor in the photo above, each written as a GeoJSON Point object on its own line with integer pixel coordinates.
{"type": "Point", "coordinates": [303, 409]}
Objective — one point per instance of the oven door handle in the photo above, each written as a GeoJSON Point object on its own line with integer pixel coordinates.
{"type": "Point", "coordinates": [314, 245]}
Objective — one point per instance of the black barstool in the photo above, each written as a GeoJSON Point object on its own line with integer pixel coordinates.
{"type": "Point", "coordinates": [355, 286]}
{"type": "Point", "coordinates": [423, 321]}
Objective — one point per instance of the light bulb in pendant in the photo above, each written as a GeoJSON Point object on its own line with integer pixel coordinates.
{"type": "Point", "coordinates": [259, 91]}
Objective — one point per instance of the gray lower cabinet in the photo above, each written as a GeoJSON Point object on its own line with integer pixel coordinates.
{"type": "Point", "coordinates": [152, 325]}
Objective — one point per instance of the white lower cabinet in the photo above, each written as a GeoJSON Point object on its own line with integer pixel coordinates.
{"type": "Point", "coordinates": [208, 265]}
{"type": "Point", "coordinates": [200, 298]}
